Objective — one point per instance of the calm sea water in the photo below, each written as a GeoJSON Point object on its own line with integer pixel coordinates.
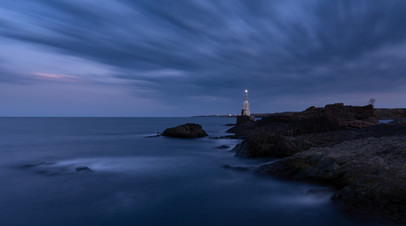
{"type": "Point", "coordinates": [142, 181]}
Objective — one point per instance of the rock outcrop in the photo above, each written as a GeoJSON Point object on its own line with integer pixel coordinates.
{"type": "Point", "coordinates": [339, 145]}
{"type": "Point", "coordinates": [282, 135]}
{"type": "Point", "coordinates": [390, 113]}
{"type": "Point", "coordinates": [244, 119]}
{"type": "Point", "coordinates": [370, 173]}
{"type": "Point", "coordinates": [189, 130]}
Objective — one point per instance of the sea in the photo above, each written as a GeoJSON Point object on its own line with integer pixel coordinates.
{"type": "Point", "coordinates": [115, 171]}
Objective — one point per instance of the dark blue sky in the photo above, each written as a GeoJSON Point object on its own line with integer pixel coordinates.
{"type": "Point", "coordinates": [193, 57]}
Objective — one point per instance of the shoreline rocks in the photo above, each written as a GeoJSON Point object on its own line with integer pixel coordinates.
{"type": "Point", "coordinates": [188, 130]}
{"type": "Point", "coordinates": [282, 135]}
{"type": "Point", "coordinates": [370, 174]}
{"type": "Point", "coordinates": [339, 145]}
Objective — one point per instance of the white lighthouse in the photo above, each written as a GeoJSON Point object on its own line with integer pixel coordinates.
{"type": "Point", "coordinates": [246, 105]}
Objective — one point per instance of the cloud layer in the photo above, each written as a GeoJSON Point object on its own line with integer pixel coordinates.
{"type": "Point", "coordinates": [181, 52]}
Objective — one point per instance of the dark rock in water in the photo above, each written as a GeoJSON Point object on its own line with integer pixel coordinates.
{"type": "Point", "coordinates": [42, 168]}
{"type": "Point", "coordinates": [83, 169]}
{"type": "Point", "coordinates": [369, 173]}
{"type": "Point", "coordinates": [31, 165]}
{"type": "Point", "coordinates": [158, 134]}
{"type": "Point", "coordinates": [230, 124]}
{"type": "Point", "coordinates": [239, 168]}
{"type": "Point", "coordinates": [47, 173]}
{"type": "Point", "coordinates": [189, 130]}
{"type": "Point", "coordinates": [223, 147]}
{"type": "Point", "coordinates": [52, 169]}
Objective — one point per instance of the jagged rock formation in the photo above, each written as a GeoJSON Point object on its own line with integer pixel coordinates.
{"type": "Point", "coordinates": [189, 130]}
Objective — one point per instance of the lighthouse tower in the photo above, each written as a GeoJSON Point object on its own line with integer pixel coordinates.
{"type": "Point", "coordinates": [245, 116]}
{"type": "Point", "coordinates": [246, 105]}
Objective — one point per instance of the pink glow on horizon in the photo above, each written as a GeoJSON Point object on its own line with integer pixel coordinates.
{"type": "Point", "coordinates": [55, 76]}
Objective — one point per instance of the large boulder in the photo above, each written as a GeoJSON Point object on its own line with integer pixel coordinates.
{"type": "Point", "coordinates": [189, 130]}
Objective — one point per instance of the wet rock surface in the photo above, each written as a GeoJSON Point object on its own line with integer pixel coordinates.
{"type": "Point", "coordinates": [189, 130]}
{"type": "Point", "coordinates": [370, 173]}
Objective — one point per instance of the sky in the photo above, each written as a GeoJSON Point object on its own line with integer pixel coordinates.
{"type": "Point", "coordinates": [196, 57]}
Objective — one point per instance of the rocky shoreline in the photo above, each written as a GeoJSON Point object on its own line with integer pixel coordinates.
{"type": "Point", "coordinates": [343, 146]}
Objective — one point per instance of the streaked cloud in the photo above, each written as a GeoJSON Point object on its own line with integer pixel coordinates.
{"type": "Point", "coordinates": [191, 50]}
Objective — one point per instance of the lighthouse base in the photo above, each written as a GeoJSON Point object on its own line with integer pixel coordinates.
{"type": "Point", "coordinates": [244, 119]}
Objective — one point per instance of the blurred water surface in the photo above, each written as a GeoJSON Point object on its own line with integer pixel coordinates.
{"type": "Point", "coordinates": [142, 181]}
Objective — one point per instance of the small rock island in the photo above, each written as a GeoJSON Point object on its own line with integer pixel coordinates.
{"type": "Point", "coordinates": [188, 130]}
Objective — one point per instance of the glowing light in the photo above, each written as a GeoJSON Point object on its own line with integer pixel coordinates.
{"type": "Point", "coordinates": [246, 91]}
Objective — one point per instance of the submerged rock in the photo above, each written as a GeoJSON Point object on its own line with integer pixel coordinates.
{"type": "Point", "coordinates": [189, 130]}
{"type": "Point", "coordinates": [223, 147]}
{"type": "Point", "coordinates": [83, 169]}
{"type": "Point", "coordinates": [239, 168]}
{"type": "Point", "coordinates": [54, 169]}
{"type": "Point", "coordinates": [31, 165]}
{"type": "Point", "coordinates": [158, 134]}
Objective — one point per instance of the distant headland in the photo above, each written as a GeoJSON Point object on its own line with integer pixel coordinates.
{"type": "Point", "coordinates": [380, 113]}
